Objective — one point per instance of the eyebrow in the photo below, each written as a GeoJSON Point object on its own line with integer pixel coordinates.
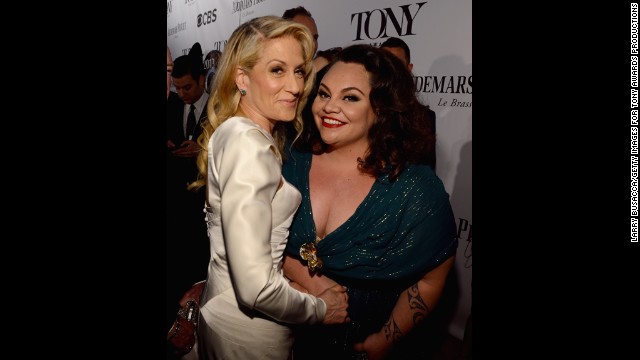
{"type": "Point", "coordinates": [281, 62]}
{"type": "Point", "coordinates": [345, 89]}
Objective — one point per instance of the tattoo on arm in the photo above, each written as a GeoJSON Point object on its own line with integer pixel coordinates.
{"type": "Point", "coordinates": [421, 309]}
{"type": "Point", "coordinates": [416, 303]}
{"type": "Point", "coordinates": [392, 331]}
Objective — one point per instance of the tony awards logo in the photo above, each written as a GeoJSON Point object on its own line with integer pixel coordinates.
{"type": "Point", "coordinates": [382, 23]}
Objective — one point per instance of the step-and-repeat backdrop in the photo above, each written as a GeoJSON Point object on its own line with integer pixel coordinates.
{"type": "Point", "coordinates": [438, 33]}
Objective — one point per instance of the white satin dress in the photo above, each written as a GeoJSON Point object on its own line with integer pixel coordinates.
{"type": "Point", "coordinates": [247, 301]}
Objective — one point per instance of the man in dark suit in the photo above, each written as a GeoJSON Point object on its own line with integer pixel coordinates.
{"type": "Point", "coordinates": [187, 240]}
{"type": "Point", "coordinates": [400, 49]}
{"type": "Point", "coordinates": [188, 77]}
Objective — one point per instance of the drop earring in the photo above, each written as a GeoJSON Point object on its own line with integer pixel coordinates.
{"type": "Point", "coordinates": [243, 92]}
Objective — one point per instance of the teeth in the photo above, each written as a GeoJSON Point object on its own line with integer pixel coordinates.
{"type": "Point", "coordinates": [332, 122]}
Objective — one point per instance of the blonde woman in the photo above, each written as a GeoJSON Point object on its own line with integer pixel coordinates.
{"type": "Point", "coordinates": [264, 77]}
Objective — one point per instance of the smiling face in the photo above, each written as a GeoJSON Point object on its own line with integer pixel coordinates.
{"type": "Point", "coordinates": [342, 110]}
{"type": "Point", "coordinates": [275, 84]}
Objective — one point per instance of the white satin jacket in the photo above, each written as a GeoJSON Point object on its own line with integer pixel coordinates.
{"type": "Point", "coordinates": [249, 209]}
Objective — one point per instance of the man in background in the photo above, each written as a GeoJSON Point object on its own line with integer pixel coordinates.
{"type": "Point", "coordinates": [187, 247]}
{"type": "Point", "coordinates": [400, 49]}
{"type": "Point", "coordinates": [303, 16]}
{"type": "Point", "coordinates": [188, 77]}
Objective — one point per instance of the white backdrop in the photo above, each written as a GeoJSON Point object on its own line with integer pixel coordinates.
{"type": "Point", "coordinates": [438, 33]}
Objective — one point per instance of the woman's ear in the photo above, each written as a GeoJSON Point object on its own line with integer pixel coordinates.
{"type": "Point", "coordinates": [242, 80]}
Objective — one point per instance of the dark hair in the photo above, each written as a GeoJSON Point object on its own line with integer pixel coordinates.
{"type": "Point", "coordinates": [291, 13]}
{"type": "Point", "coordinates": [328, 54]}
{"type": "Point", "coordinates": [398, 136]}
{"type": "Point", "coordinates": [395, 42]}
{"type": "Point", "coordinates": [189, 64]}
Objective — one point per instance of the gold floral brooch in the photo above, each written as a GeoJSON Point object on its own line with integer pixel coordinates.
{"type": "Point", "coordinates": [308, 252]}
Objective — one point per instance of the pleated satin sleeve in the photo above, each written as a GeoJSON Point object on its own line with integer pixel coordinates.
{"type": "Point", "coordinates": [248, 172]}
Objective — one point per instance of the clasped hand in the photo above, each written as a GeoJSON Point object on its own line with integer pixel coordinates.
{"type": "Point", "coordinates": [337, 302]}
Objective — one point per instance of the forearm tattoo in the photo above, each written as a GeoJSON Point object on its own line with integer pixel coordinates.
{"type": "Point", "coordinates": [421, 309]}
{"type": "Point", "coordinates": [391, 330]}
{"type": "Point", "coordinates": [416, 303]}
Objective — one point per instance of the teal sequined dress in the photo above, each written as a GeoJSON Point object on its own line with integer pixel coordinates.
{"type": "Point", "coordinates": [400, 231]}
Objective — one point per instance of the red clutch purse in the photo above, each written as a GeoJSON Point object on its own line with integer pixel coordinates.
{"type": "Point", "coordinates": [182, 335]}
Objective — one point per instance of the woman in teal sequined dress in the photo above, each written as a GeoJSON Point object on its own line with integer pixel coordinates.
{"type": "Point", "coordinates": [372, 217]}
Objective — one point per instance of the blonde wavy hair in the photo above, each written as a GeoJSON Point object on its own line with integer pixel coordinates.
{"type": "Point", "coordinates": [244, 49]}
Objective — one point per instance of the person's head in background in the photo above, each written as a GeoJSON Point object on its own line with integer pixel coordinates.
{"type": "Point", "coordinates": [324, 57]}
{"type": "Point", "coordinates": [188, 75]}
{"type": "Point", "coordinates": [211, 65]}
{"type": "Point", "coordinates": [303, 16]}
{"type": "Point", "coordinates": [169, 70]}
{"type": "Point", "coordinates": [400, 49]}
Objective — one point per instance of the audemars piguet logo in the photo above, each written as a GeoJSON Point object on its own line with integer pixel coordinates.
{"type": "Point", "coordinates": [445, 84]}
{"type": "Point", "coordinates": [454, 89]}
{"type": "Point", "coordinates": [382, 23]}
